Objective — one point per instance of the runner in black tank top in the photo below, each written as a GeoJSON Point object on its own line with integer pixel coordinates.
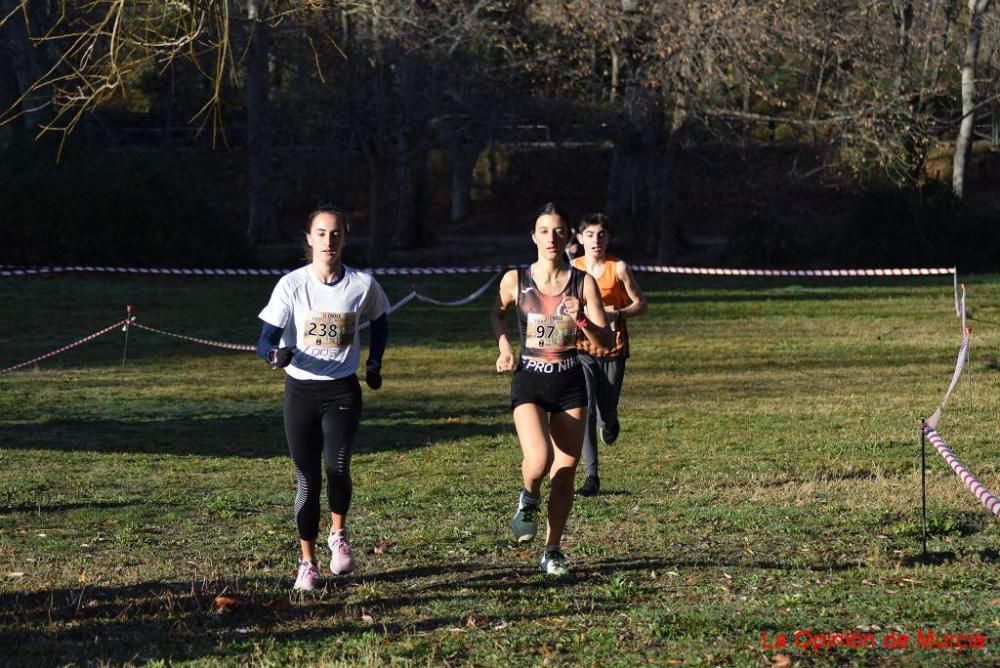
{"type": "Point", "coordinates": [548, 391]}
{"type": "Point", "coordinates": [548, 332]}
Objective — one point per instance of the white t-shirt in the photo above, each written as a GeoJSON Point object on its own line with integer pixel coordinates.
{"type": "Point", "coordinates": [322, 320]}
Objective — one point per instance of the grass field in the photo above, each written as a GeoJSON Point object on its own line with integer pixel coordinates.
{"type": "Point", "coordinates": [767, 481]}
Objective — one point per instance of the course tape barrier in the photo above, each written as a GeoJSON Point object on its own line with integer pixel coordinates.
{"type": "Point", "coordinates": [131, 321]}
{"type": "Point", "coordinates": [169, 271]}
{"type": "Point", "coordinates": [459, 302]}
{"type": "Point", "coordinates": [978, 490]}
{"type": "Point", "coordinates": [194, 339]}
{"type": "Point", "coordinates": [75, 344]}
{"type": "Point", "coordinates": [959, 366]}
{"type": "Point", "coordinates": [7, 270]}
{"type": "Point", "coordinates": [821, 273]}
{"type": "Point", "coordinates": [487, 269]}
{"type": "Point", "coordinates": [963, 358]}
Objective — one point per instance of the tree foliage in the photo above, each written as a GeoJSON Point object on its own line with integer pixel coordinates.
{"type": "Point", "coordinates": [873, 86]}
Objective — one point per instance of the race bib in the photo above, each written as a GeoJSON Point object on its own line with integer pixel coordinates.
{"type": "Point", "coordinates": [329, 330]}
{"type": "Point", "coordinates": [550, 332]}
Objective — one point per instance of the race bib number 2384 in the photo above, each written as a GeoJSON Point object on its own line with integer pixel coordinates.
{"type": "Point", "coordinates": [329, 330]}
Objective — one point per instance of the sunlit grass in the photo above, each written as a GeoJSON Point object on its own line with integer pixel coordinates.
{"type": "Point", "coordinates": [767, 479]}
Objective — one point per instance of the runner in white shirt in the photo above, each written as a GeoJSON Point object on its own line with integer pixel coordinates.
{"type": "Point", "coordinates": [311, 330]}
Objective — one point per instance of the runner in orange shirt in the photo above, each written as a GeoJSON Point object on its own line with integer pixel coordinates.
{"type": "Point", "coordinates": [604, 370]}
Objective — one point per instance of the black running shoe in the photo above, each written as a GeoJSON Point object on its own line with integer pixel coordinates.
{"type": "Point", "coordinates": [591, 486]}
{"type": "Point", "coordinates": [609, 432]}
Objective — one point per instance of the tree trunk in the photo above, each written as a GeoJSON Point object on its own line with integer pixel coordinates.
{"type": "Point", "coordinates": [634, 183]}
{"type": "Point", "coordinates": [262, 225]}
{"type": "Point", "coordinates": [465, 152]}
{"type": "Point", "coordinates": [25, 67]}
{"type": "Point", "coordinates": [374, 142]}
{"type": "Point", "coordinates": [964, 140]}
{"type": "Point", "coordinates": [902, 11]}
{"type": "Point", "coordinates": [615, 64]}
{"type": "Point", "coordinates": [378, 178]}
{"type": "Point", "coordinates": [378, 249]}
{"type": "Point", "coordinates": [410, 160]}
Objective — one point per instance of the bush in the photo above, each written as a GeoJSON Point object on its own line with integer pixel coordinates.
{"type": "Point", "coordinates": [113, 208]}
{"type": "Point", "coordinates": [926, 227]}
{"type": "Point", "coordinates": [762, 241]}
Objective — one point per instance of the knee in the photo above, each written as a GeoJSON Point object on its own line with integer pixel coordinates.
{"type": "Point", "coordinates": [563, 475]}
{"type": "Point", "coordinates": [338, 472]}
{"type": "Point", "coordinates": [308, 485]}
{"type": "Point", "coordinates": [538, 466]}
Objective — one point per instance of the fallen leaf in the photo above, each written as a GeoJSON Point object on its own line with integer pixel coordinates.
{"type": "Point", "coordinates": [225, 604]}
{"type": "Point", "coordinates": [780, 661]}
{"type": "Point", "coordinates": [384, 546]}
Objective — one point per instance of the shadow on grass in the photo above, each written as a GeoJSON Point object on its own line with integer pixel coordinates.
{"type": "Point", "coordinates": [930, 559]}
{"type": "Point", "coordinates": [182, 621]}
{"type": "Point", "coordinates": [62, 507]}
{"type": "Point", "coordinates": [253, 436]}
{"type": "Point", "coordinates": [606, 566]}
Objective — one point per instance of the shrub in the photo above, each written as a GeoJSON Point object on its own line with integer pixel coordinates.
{"type": "Point", "coordinates": [101, 207]}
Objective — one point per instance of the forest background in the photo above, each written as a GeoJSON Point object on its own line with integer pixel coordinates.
{"type": "Point", "coordinates": [768, 133]}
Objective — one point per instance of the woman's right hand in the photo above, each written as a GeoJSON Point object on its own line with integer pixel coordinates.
{"type": "Point", "coordinates": [505, 361]}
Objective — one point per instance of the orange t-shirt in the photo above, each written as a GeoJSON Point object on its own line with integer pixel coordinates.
{"type": "Point", "coordinates": [613, 294]}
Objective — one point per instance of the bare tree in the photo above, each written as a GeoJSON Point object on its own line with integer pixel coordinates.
{"type": "Point", "coordinates": [262, 224]}
{"type": "Point", "coordinates": [26, 62]}
{"type": "Point", "coordinates": [963, 143]}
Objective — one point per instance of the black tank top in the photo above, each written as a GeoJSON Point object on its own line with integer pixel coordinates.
{"type": "Point", "coordinates": [547, 332]}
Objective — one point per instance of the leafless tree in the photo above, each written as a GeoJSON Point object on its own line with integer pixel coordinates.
{"type": "Point", "coordinates": [970, 60]}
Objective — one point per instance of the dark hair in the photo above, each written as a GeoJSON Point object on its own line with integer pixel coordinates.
{"type": "Point", "coordinates": [550, 209]}
{"type": "Point", "coordinates": [594, 220]}
{"type": "Point", "coordinates": [340, 214]}
{"type": "Point", "coordinates": [333, 211]}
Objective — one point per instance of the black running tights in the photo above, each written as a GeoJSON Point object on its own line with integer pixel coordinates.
{"type": "Point", "coordinates": [321, 421]}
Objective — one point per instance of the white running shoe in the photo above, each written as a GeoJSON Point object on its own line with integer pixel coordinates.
{"type": "Point", "coordinates": [308, 578]}
{"type": "Point", "coordinates": [554, 562]}
{"type": "Point", "coordinates": [525, 525]}
{"type": "Point", "coordinates": [342, 561]}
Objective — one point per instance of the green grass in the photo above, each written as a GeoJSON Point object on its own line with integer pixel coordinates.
{"type": "Point", "coordinates": [767, 480]}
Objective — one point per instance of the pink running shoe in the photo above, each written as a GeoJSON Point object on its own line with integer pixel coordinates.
{"type": "Point", "coordinates": [308, 578]}
{"type": "Point", "coordinates": [342, 561]}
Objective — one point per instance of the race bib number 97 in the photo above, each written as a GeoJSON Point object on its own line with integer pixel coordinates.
{"type": "Point", "coordinates": [550, 332]}
{"type": "Point", "coordinates": [329, 330]}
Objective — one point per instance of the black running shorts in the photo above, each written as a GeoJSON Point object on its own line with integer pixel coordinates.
{"type": "Point", "coordinates": [555, 390]}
